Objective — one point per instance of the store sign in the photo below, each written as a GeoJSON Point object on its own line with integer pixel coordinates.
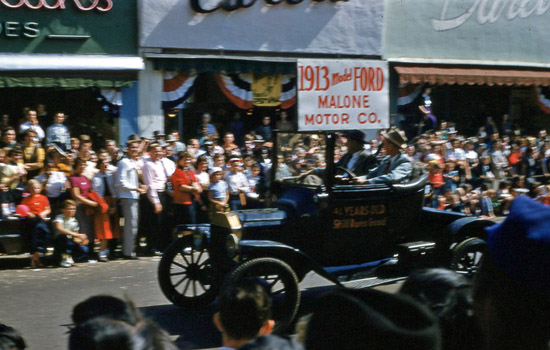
{"type": "Point", "coordinates": [343, 94]}
{"type": "Point", "coordinates": [83, 5]}
{"type": "Point", "coordinates": [69, 26]}
{"type": "Point", "coordinates": [207, 6]}
{"type": "Point", "coordinates": [352, 27]}
{"type": "Point", "coordinates": [489, 12]}
{"type": "Point", "coordinates": [484, 30]}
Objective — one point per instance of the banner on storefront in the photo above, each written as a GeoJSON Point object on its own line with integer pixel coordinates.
{"type": "Point", "coordinates": [238, 88]}
{"type": "Point", "coordinates": [266, 90]}
{"type": "Point", "coordinates": [343, 94]}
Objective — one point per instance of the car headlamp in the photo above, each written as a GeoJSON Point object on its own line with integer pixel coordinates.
{"type": "Point", "coordinates": [232, 245]}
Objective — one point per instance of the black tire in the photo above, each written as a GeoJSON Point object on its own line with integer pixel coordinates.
{"type": "Point", "coordinates": [467, 256]}
{"type": "Point", "coordinates": [186, 277]}
{"type": "Point", "coordinates": [282, 283]}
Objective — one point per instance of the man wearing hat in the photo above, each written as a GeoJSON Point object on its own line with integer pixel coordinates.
{"type": "Point", "coordinates": [158, 136]}
{"type": "Point", "coordinates": [129, 190]}
{"type": "Point", "coordinates": [512, 287]}
{"type": "Point", "coordinates": [396, 167]}
{"type": "Point", "coordinates": [357, 159]}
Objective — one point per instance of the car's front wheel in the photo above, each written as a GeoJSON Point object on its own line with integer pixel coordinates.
{"type": "Point", "coordinates": [280, 281]}
{"type": "Point", "coordinates": [185, 274]}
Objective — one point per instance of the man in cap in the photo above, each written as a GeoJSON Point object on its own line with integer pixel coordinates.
{"type": "Point", "coordinates": [357, 159]}
{"type": "Point", "coordinates": [512, 288]}
{"type": "Point", "coordinates": [396, 167]}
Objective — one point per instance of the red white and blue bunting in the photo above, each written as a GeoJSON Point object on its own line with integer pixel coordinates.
{"type": "Point", "coordinates": [177, 88]}
{"type": "Point", "coordinates": [238, 89]}
{"type": "Point", "coordinates": [408, 93]}
{"type": "Point", "coordinates": [542, 100]}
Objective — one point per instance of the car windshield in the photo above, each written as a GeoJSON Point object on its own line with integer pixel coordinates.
{"type": "Point", "coordinates": [298, 153]}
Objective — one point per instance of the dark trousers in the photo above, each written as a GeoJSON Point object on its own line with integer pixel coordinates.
{"type": "Point", "coordinates": [159, 230]}
{"type": "Point", "coordinates": [40, 234]}
{"type": "Point", "coordinates": [65, 245]}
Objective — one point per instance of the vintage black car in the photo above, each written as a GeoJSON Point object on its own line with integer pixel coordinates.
{"type": "Point", "coordinates": [327, 226]}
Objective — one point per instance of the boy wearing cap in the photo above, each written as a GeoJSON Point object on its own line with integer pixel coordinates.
{"type": "Point", "coordinates": [238, 183]}
{"type": "Point", "coordinates": [218, 191]}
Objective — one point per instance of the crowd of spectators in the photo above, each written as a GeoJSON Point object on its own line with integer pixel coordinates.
{"type": "Point", "coordinates": [74, 194]}
{"type": "Point", "coordinates": [505, 307]}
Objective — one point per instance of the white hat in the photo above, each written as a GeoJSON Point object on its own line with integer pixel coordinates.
{"type": "Point", "coordinates": [216, 169]}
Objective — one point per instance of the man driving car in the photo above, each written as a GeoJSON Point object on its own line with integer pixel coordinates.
{"type": "Point", "coordinates": [357, 160]}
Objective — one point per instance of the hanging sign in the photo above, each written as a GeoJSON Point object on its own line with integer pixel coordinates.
{"type": "Point", "coordinates": [343, 94]}
{"type": "Point", "coordinates": [266, 90]}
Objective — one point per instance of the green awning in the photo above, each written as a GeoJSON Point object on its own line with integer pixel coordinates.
{"type": "Point", "coordinates": [229, 66]}
{"type": "Point", "coordinates": [62, 82]}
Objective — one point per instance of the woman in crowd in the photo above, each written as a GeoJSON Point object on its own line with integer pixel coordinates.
{"type": "Point", "coordinates": [203, 177]}
{"type": "Point", "coordinates": [80, 190]}
{"type": "Point", "coordinates": [186, 190]}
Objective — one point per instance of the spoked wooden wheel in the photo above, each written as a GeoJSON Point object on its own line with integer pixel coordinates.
{"type": "Point", "coordinates": [467, 256]}
{"type": "Point", "coordinates": [280, 281]}
{"type": "Point", "coordinates": [185, 275]}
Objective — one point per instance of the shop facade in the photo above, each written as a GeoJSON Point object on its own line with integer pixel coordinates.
{"type": "Point", "coordinates": [76, 56]}
{"type": "Point", "coordinates": [481, 58]}
{"type": "Point", "coordinates": [240, 58]}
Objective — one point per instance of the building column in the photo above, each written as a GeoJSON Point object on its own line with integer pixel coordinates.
{"type": "Point", "coordinates": [127, 123]}
{"type": "Point", "coordinates": [150, 113]}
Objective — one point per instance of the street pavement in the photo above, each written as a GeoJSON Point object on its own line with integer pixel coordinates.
{"type": "Point", "coordinates": [39, 302]}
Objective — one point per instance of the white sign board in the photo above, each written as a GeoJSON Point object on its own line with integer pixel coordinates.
{"type": "Point", "coordinates": [343, 94]}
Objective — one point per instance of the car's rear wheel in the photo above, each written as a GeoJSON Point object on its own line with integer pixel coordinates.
{"type": "Point", "coordinates": [279, 280]}
{"type": "Point", "coordinates": [185, 274]}
{"type": "Point", "coordinates": [467, 256]}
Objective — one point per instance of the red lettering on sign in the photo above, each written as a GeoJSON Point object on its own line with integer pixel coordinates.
{"type": "Point", "coordinates": [368, 79]}
{"type": "Point", "coordinates": [100, 5]}
{"type": "Point", "coordinates": [327, 119]}
{"type": "Point", "coordinates": [346, 101]}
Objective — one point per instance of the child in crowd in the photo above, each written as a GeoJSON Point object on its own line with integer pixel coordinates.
{"type": "Point", "coordinates": [218, 191]}
{"type": "Point", "coordinates": [11, 175]}
{"type": "Point", "coordinates": [69, 241]}
{"type": "Point", "coordinates": [451, 176]}
{"type": "Point", "coordinates": [39, 209]}
{"type": "Point", "coordinates": [435, 177]}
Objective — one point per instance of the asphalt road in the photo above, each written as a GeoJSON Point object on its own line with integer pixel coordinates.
{"type": "Point", "coordinates": [38, 302]}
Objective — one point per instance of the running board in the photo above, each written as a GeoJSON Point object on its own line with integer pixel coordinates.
{"type": "Point", "coordinates": [371, 282]}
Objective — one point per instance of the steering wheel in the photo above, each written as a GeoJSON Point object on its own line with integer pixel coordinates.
{"type": "Point", "coordinates": [347, 171]}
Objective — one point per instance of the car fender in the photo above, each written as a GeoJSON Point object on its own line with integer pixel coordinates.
{"type": "Point", "coordinates": [461, 229]}
{"type": "Point", "coordinates": [301, 263]}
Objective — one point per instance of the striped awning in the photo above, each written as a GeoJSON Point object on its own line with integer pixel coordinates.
{"type": "Point", "coordinates": [472, 76]}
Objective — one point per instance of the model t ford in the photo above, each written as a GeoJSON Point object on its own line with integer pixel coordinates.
{"type": "Point", "coordinates": [322, 222]}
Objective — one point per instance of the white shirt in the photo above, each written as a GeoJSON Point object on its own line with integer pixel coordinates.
{"type": "Point", "coordinates": [37, 128]}
{"type": "Point", "coordinates": [98, 184]}
{"type": "Point", "coordinates": [236, 182]}
{"type": "Point", "coordinates": [126, 179]}
{"type": "Point", "coordinates": [154, 176]}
